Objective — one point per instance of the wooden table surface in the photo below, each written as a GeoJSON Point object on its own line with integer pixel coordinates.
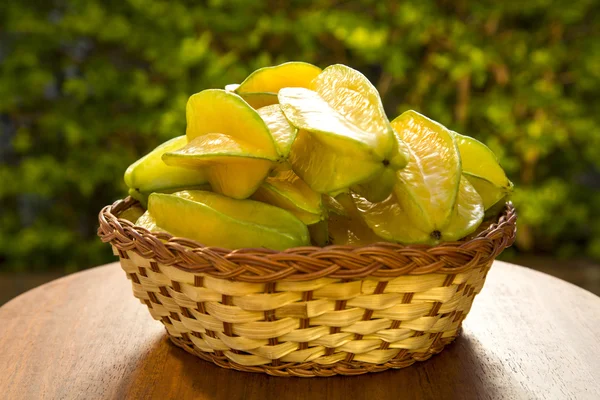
{"type": "Point", "coordinates": [528, 336]}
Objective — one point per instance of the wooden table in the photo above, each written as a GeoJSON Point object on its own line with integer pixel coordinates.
{"type": "Point", "coordinates": [86, 337]}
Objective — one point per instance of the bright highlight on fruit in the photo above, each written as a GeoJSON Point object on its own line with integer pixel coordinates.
{"type": "Point", "coordinates": [294, 156]}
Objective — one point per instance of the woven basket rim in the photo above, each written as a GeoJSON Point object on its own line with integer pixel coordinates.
{"type": "Point", "coordinates": [259, 265]}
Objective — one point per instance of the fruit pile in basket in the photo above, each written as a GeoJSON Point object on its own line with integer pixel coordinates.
{"type": "Point", "coordinates": [296, 155]}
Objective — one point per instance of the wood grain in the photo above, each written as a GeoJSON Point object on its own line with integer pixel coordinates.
{"type": "Point", "coordinates": [528, 336]}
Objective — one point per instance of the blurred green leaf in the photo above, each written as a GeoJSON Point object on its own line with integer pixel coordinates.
{"type": "Point", "coordinates": [88, 86]}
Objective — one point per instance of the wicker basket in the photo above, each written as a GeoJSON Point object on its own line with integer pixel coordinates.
{"type": "Point", "coordinates": [306, 311]}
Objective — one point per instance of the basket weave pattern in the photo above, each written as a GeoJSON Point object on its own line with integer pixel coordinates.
{"type": "Point", "coordinates": [306, 311]}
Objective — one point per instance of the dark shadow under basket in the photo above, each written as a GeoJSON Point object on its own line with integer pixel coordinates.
{"type": "Point", "coordinates": [306, 311]}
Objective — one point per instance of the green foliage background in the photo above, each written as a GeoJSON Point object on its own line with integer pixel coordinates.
{"type": "Point", "coordinates": [87, 86]}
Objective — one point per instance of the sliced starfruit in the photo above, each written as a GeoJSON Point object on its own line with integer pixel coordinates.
{"type": "Point", "coordinates": [392, 222]}
{"type": "Point", "coordinates": [147, 221]}
{"type": "Point", "coordinates": [150, 174]}
{"type": "Point", "coordinates": [286, 190]}
{"type": "Point", "coordinates": [260, 88]}
{"type": "Point", "coordinates": [344, 136]}
{"type": "Point", "coordinates": [229, 141]}
{"type": "Point", "coordinates": [283, 133]}
{"type": "Point", "coordinates": [132, 213]}
{"type": "Point", "coordinates": [482, 169]}
{"type": "Point", "coordinates": [142, 197]}
{"type": "Point", "coordinates": [350, 228]}
{"type": "Point", "coordinates": [431, 201]}
{"type": "Point", "coordinates": [216, 220]}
